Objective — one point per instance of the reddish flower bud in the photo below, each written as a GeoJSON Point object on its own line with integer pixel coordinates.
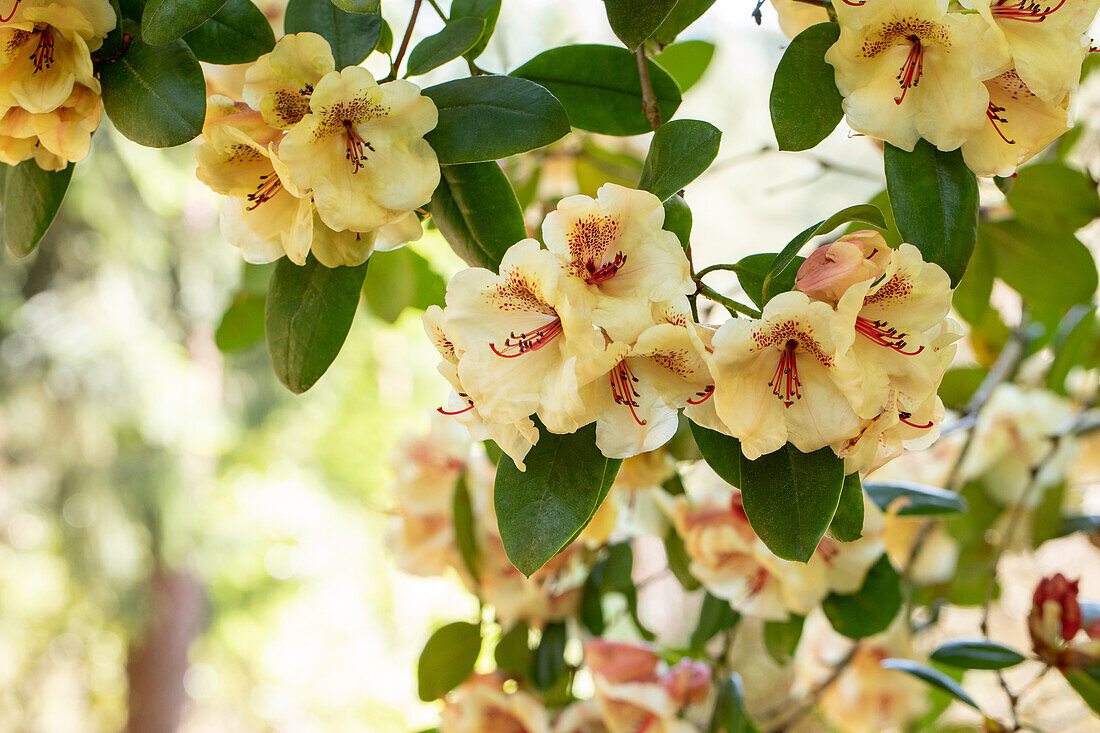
{"type": "Point", "coordinates": [617, 662]}
{"type": "Point", "coordinates": [1059, 590]}
{"type": "Point", "coordinates": [687, 682]}
{"type": "Point", "coordinates": [830, 270]}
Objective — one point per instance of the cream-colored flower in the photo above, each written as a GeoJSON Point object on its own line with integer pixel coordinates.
{"type": "Point", "coordinates": [907, 70]}
{"type": "Point", "coordinates": [361, 152]}
{"type": "Point", "coordinates": [832, 269]}
{"type": "Point", "coordinates": [54, 139]}
{"type": "Point", "coordinates": [552, 593]}
{"type": "Point", "coordinates": [887, 435]}
{"type": "Point", "coordinates": [580, 717]}
{"type": "Point", "coordinates": [480, 705]}
{"type": "Point", "coordinates": [795, 17]}
{"type": "Point", "coordinates": [630, 694]}
{"type": "Point", "coordinates": [279, 84]}
{"type": "Point", "coordinates": [938, 556]}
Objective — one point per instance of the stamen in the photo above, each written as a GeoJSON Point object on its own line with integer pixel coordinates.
{"type": "Point", "coordinates": [1026, 10]}
{"type": "Point", "coordinates": [622, 389]}
{"type": "Point", "coordinates": [785, 383]}
{"type": "Point", "coordinates": [910, 73]}
{"type": "Point", "coordinates": [828, 550]}
{"type": "Point", "coordinates": [605, 271]}
{"type": "Point", "coordinates": [703, 396]}
{"type": "Point", "coordinates": [519, 344]}
{"type": "Point", "coordinates": [759, 580]}
{"type": "Point", "coordinates": [357, 147]}
{"type": "Point", "coordinates": [884, 335]}
{"type": "Point", "coordinates": [269, 186]}
{"type": "Point", "coordinates": [856, 4]}
{"type": "Point", "coordinates": [43, 52]}
{"type": "Point", "coordinates": [441, 411]}
{"type": "Point", "coordinates": [904, 417]}
{"type": "Point", "coordinates": [993, 112]}
{"type": "Point", "coordinates": [10, 15]}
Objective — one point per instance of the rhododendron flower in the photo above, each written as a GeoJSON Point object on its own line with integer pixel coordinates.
{"type": "Point", "coordinates": [909, 70]}
{"type": "Point", "coordinates": [552, 593]}
{"type": "Point", "coordinates": [616, 246]}
{"type": "Point", "coordinates": [832, 269]}
{"type": "Point", "coordinates": [279, 84]}
{"type": "Point", "coordinates": [789, 376]}
{"type": "Point", "coordinates": [887, 435]}
{"type": "Point", "coordinates": [54, 139]}
{"type": "Point", "coordinates": [1053, 622]}
{"type": "Point", "coordinates": [938, 556]}
{"type": "Point", "coordinates": [361, 151]}
{"type": "Point", "coordinates": [580, 717]}
{"type": "Point", "coordinates": [631, 695]}
{"type": "Point", "coordinates": [480, 705]}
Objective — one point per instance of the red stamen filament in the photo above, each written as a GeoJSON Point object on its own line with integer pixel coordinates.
{"type": "Point", "coordinates": [519, 344]}
{"type": "Point", "coordinates": [605, 271]}
{"type": "Point", "coordinates": [904, 417]}
{"type": "Point", "coordinates": [357, 147]}
{"type": "Point", "coordinates": [1028, 12]}
{"type": "Point", "coordinates": [884, 335]}
{"type": "Point", "coordinates": [785, 383]}
{"type": "Point", "coordinates": [910, 73]}
{"type": "Point", "coordinates": [857, 4]}
{"type": "Point", "coordinates": [622, 389]}
{"type": "Point", "coordinates": [759, 580]}
{"type": "Point", "coordinates": [269, 186]}
{"type": "Point", "coordinates": [703, 396]}
{"type": "Point", "coordinates": [993, 112]}
{"type": "Point", "coordinates": [10, 15]}
{"type": "Point", "coordinates": [441, 411]}
{"type": "Point", "coordinates": [43, 52]}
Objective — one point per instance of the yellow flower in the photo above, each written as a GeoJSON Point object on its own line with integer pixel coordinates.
{"type": "Point", "coordinates": [279, 84]}
{"type": "Point", "coordinates": [53, 139]}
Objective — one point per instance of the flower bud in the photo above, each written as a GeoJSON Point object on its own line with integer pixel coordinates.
{"type": "Point", "coordinates": [687, 682]}
{"type": "Point", "coordinates": [830, 270]}
{"type": "Point", "coordinates": [617, 662]}
{"type": "Point", "coordinates": [1054, 619]}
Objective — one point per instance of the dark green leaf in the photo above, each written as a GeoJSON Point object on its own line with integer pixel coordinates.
{"type": "Point", "coordinates": [752, 270]}
{"type": "Point", "coordinates": [686, 62]}
{"type": "Point", "coordinates": [600, 88]}
{"type": "Point", "coordinates": [448, 659]}
{"type": "Point", "coordinates": [976, 654]}
{"type": "Point", "coordinates": [164, 21]}
{"type": "Point", "coordinates": [483, 118]}
{"type": "Point", "coordinates": [889, 232]}
{"type": "Point", "coordinates": [591, 610]}
{"type": "Point", "coordinates": [781, 637]}
{"type": "Point", "coordinates": [635, 20]}
{"type": "Point", "coordinates": [730, 715]}
{"type": "Point", "coordinates": [401, 279]}
{"type": "Point", "coordinates": [847, 523]}
{"type": "Point", "coordinates": [933, 677]}
{"type": "Point", "coordinates": [512, 654]}
{"type": "Point", "coordinates": [684, 14]}
{"type": "Point", "coordinates": [242, 324]}
{"type": "Point", "coordinates": [358, 6]}
{"type": "Point", "coordinates": [1046, 268]}
{"type": "Point", "coordinates": [721, 452]}
{"type": "Point", "coordinates": [236, 34]}
{"type": "Point", "coordinates": [549, 659]}
{"type": "Point", "coordinates": [352, 35]}
{"type": "Point", "coordinates": [678, 219]}
{"type": "Point", "coordinates": [112, 44]}
{"type": "Point", "coordinates": [1054, 197]}
{"type": "Point", "coordinates": [914, 499]}
{"type": "Point", "coordinates": [973, 293]}
{"type": "Point", "coordinates": [960, 384]}
{"type": "Point", "coordinates": [935, 201]}
{"type": "Point", "coordinates": [870, 609]}
{"type": "Point", "coordinates": [32, 197]}
{"type": "Point", "coordinates": [678, 154]}
{"type": "Point", "coordinates": [477, 212]}
{"type": "Point", "coordinates": [596, 165]}
{"type": "Point", "coordinates": [1076, 337]}
{"type": "Point", "coordinates": [541, 510]}
{"type": "Point", "coordinates": [805, 103]}
{"type": "Point", "coordinates": [715, 616]}
{"type": "Point", "coordinates": [456, 38]}
{"type": "Point", "coordinates": [487, 10]}
{"type": "Point", "coordinates": [678, 561]}
{"type": "Point", "coordinates": [1046, 519]}
{"type": "Point", "coordinates": [385, 39]}
{"type": "Point", "coordinates": [465, 528]}
{"type": "Point", "coordinates": [156, 95]}
{"type": "Point", "coordinates": [1086, 683]}
{"type": "Point", "coordinates": [309, 313]}
{"type": "Point", "coordinates": [790, 498]}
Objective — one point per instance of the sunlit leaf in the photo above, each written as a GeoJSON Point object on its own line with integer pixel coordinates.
{"type": "Point", "coordinates": [448, 659]}
{"type": "Point", "coordinates": [805, 103]}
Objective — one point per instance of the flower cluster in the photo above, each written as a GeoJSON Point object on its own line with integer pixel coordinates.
{"type": "Point", "coordinates": [315, 159]}
{"type": "Point", "coordinates": [993, 77]}
{"type": "Point", "coordinates": [49, 95]}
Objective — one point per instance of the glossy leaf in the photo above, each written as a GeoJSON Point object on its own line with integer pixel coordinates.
{"type": "Point", "coordinates": [156, 95]}
{"type": "Point", "coordinates": [781, 637]}
{"type": "Point", "coordinates": [358, 6]}
{"type": "Point", "coordinates": [976, 654]}
{"type": "Point", "coordinates": [679, 153]}
{"type": "Point", "coordinates": [805, 103]}
{"type": "Point", "coordinates": [309, 313]}
{"type": "Point", "coordinates": [847, 525]}
{"type": "Point", "coordinates": [448, 659]}
{"type": "Point", "coordinates": [932, 676]}
{"type": "Point", "coordinates": [484, 118]}
{"type": "Point", "coordinates": [1054, 197]}
{"type": "Point", "coordinates": [1046, 268]}
{"type": "Point", "coordinates": [686, 62]}
{"type": "Point", "coordinates": [487, 10]}
{"type": "Point", "coordinates": [164, 21]}
{"type": "Point", "coordinates": [456, 38]}
{"type": "Point", "coordinates": [477, 212]}
{"type": "Point", "coordinates": [730, 715]}
{"type": "Point", "coordinates": [715, 616]}
{"type": "Point", "coordinates": [513, 655]}
{"type": "Point", "coordinates": [752, 270]}
{"type": "Point", "coordinates": [600, 88]}
{"type": "Point", "coordinates": [683, 15]}
{"type": "Point", "coordinates": [721, 452]}
{"type": "Point", "coordinates": [913, 499]}
{"type": "Point", "coordinates": [633, 21]}
{"type": "Point", "coordinates": [935, 201]}
{"type": "Point", "coordinates": [242, 324]}
{"type": "Point", "coordinates": [973, 293]}
{"type": "Point", "coordinates": [31, 197]}
{"type": "Point", "coordinates": [790, 498]}
{"type": "Point", "coordinates": [678, 561]}
{"type": "Point", "coordinates": [352, 35]}
{"type": "Point", "coordinates": [869, 610]}
{"type": "Point", "coordinates": [1086, 683]}
{"type": "Point", "coordinates": [237, 34]}
{"type": "Point", "coordinates": [1077, 335]}
{"type": "Point", "coordinates": [401, 279]}
{"type": "Point", "coordinates": [542, 510]}
{"type": "Point", "coordinates": [678, 219]}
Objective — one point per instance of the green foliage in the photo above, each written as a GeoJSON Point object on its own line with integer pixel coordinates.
{"type": "Point", "coordinates": [636, 20]}
{"type": "Point", "coordinates": [678, 154]}
{"type": "Point", "coordinates": [805, 103]}
{"type": "Point", "coordinates": [1049, 269]}
{"type": "Point", "coordinates": [487, 10]}
{"type": "Point", "coordinates": [542, 510]}
{"type": "Point", "coordinates": [600, 88]}
{"type": "Point", "coordinates": [683, 14]}
{"type": "Point", "coordinates": [753, 270]}
{"type": "Point", "coordinates": [721, 452]}
{"type": "Point", "coordinates": [465, 527]}
{"type": "Point", "coordinates": [847, 525]}
{"type": "Point", "coordinates": [164, 21]}
{"type": "Point", "coordinates": [715, 616]}
{"type": "Point", "coordinates": [358, 6]}
{"type": "Point", "coordinates": [973, 293]}
{"type": "Point", "coordinates": [869, 610]}
{"type": "Point", "coordinates": [730, 715]}
{"type": "Point", "coordinates": [790, 498]}
{"type": "Point", "coordinates": [548, 661]}
{"type": "Point", "coordinates": [612, 573]}
{"type": "Point", "coordinates": [156, 95]}
{"type": "Point", "coordinates": [456, 38]}
{"type": "Point", "coordinates": [933, 677]}
{"type": "Point", "coordinates": [401, 279]}
{"type": "Point", "coordinates": [678, 219]}
{"type": "Point", "coordinates": [236, 34]}
{"type": "Point", "coordinates": [686, 62]}
{"type": "Point", "coordinates": [32, 197]}
{"type": "Point", "coordinates": [976, 654]}
{"type": "Point", "coordinates": [242, 324]}
{"type": "Point", "coordinates": [352, 35]}
{"type": "Point", "coordinates": [913, 499]}
{"type": "Point", "coordinates": [960, 384]}
{"type": "Point", "coordinates": [1054, 197]}
{"type": "Point", "coordinates": [309, 313]}
{"type": "Point", "coordinates": [1074, 344]}
{"type": "Point", "coordinates": [448, 659]}
{"type": "Point", "coordinates": [935, 201]}
{"type": "Point", "coordinates": [678, 561]}
{"type": "Point", "coordinates": [513, 655]}
{"type": "Point", "coordinates": [781, 637]}
{"type": "Point", "coordinates": [477, 212]}
{"type": "Point", "coordinates": [1086, 683]}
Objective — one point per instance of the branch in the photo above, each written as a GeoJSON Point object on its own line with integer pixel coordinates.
{"type": "Point", "coordinates": [649, 99]}
{"type": "Point", "coordinates": [716, 268]}
{"type": "Point", "coordinates": [731, 305]}
{"type": "Point", "coordinates": [405, 41]}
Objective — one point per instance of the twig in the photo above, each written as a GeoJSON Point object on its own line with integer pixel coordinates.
{"type": "Point", "coordinates": [716, 268]}
{"type": "Point", "coordinates": [731, 305]}
{"type": "Point", "coordinates": [649, 99]}
{"type": "Point", "coordinates": [438, 10]}
{"type": "Point", "coordinates": [405, 41]}
{"type": "Point", "coordinates": [806, 703]}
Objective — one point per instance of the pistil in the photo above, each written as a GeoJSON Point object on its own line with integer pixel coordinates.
{"type": "Point", "coordinates": [9, 16]}
{"type": "Point", "coordinates": [785, 383]}
{"type": "Point", "coordinates": [904, 417]}
{"type": "Point", "coordinates": [522, 343]}
{"type": "Point", "coordinates": [910, 73]}
{"type": "Point", "coordinates": [357, 147]}
{"type": "Point", "coordinates": [623, 391]}
{"type": "Point", "coordinates": [701, 397]}
{"type": "Point", "coordinates": [605, 271]}
{"type": "Point", "coordinates": [883, 334]}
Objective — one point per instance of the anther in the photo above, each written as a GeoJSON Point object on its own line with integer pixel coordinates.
{"type": "Point", "coordinates": [703, 396]}
{"type": "Point", "coordinates": [785, 383]}
{"type": "Point", "coordinates": [993, 112]}
{"type": "Point", "coordinates": [520, 344]}
{"type": "Point", "coordinates": [605, 271]}
{"type": "Point", "coordinates": [623, 391]}
{"type": "Point", "coordinates": [357, 147]}
{"type": "Point", "coordinates": [882, 334]}
{"type": "Point", "coordinates": [910, 73]}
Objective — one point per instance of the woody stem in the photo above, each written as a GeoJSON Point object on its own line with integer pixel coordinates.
{"type": "Point", "coordinates": [649, 99]}
{"type": "Point", "coordinates": [405, 40]}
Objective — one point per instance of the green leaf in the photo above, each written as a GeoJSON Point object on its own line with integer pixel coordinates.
{"type": "Point", "coordinates": [456, 38]}
{"type": "Point", "coordinates": [242, 324]}
{"type": "Point", "coordinates": [156, 95]}
{"type": "Point", "coordinates": [678, 154]}
{"type": "Point", "coordinates": [715, 616]}
{"type": "Point", "coordinates": [542, 510]}
{"type": "Point", "coordinates": [352, 35]}
{"type": "Point", "coordinates": [914, 500]}
{"type": "Point", "coordinates": [678, 561]}
{"type": "Point", "coordinates": [752, 270]}
{"type": "Point", "coordinates": [1054, 197]}
{"type": "Point", "coordinates": [805, 103]}
{"type": "Point", "coordinates": [721, 452]}
{"type": "Point", "coordinates": [976, 654]}
{"type": "Point", "coordinates": [790, 498]}
{"type": "Point", "coordinates": [487, 10]}
{"type": "Point", "coordinates": [385, 39]}
{"type": "Point", "coordinates": [448, 659]}
{"type": "Point", "coordinates": [591, 609]}
{"type": "Point", "coordinates": [974, 292]}
{"type": "Point", "coordinates": [549, 659]}
{"type": "Point", "coordinates": [932, 676]}
{"type": "Point", "coordinates": [730, 715]}
{"type": "Point", "coordinates": [465, 528]}
{"type": "Point", "coordinates": [959, 385]}
{"type": "Point", "coordinates": [358, 6]}
{"type": "Point", "coordinates": [32, 197]}
{"type": "Point", "coordinates": [889, 232]}
{"type": "Point", "coordinates": [401, 279]}
{"type": "Point", "coordinates": [935, 201]}
{"type": "Point", "coordinates": [686, 62]}
{"type": "Point", "coordinates": [600, 88]}
{"type": "Point", "coordinates": [309, 313]}
{"type": "Point", "coordinates": [484, 118]}
{"type": "Point", "coordinates": [164, 21]}
{"type": "Point", "coordinates": [513, 655]}
{"type": "Point", "coordinates": [1045, 267]}
{"type": "Point", "coordinates": [1076, 337]}
{"type": "Point", "coordinates": [636, 20]}
{"type": "Point", "coordinates": [870, 609]}
{"type": "Point", "coordinates": [781, 637]}
{"type": "Point", "coordinates": [684, 14]}
{"type": "Point", "coordinates": [595, 165]}
{"type": "Point", "coordinates": [1086, 683]}
{"type": "Point", "coordinates": [477, 212]}
{"type": "Point", "coordinates": [847, 525]}
{"type": "Point", "coordinates": [237, 34]}
{"type": "Point", "coordinates": [678, 219]}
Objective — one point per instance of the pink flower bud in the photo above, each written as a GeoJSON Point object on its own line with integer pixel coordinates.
{"type": "Point", "coordinates": [687, 682]}
{"type": "Point", "coordinates": [1057, 595]}
{"type": "Point", "coordinates": [830, 270]}
{"type": "Point", "coordinates": [617, 662]}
